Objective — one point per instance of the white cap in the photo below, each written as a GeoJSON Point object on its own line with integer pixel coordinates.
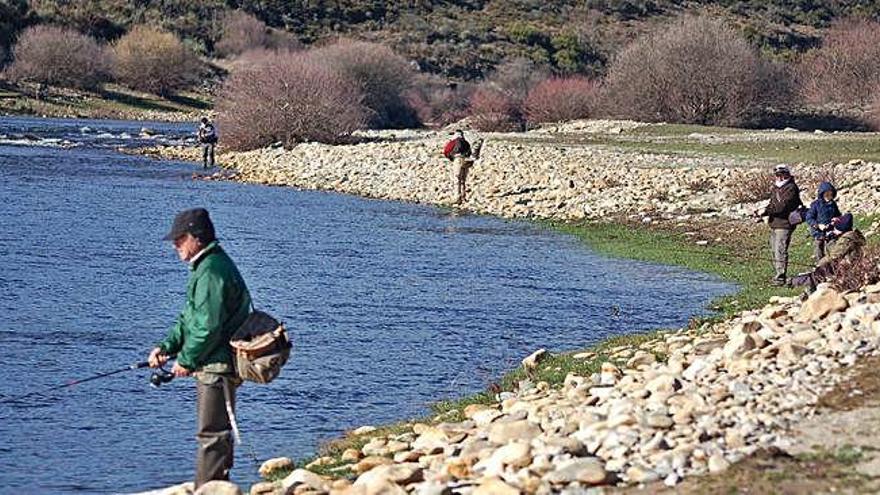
{"type": "Point", "coordinates": [781, 168]}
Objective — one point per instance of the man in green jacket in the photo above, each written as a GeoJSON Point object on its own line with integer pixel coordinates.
{"type": "Point", "coordinates": [217, 303]}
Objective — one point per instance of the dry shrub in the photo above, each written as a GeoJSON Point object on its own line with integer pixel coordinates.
{"type": "Point", "coordinates": [694, 70]}
{"type": "Point", "coordinates": [382, 75]}
{"type": "Point", "coordinates": [560, 99]}
{"type": "Point", "coordinates": [493, 111]}
{"type": "Point", "coordinates": [752, 186]}
{"type": "Point", "coordinates": [282, 41]}
{"type": "Point", "coordinates": [846, 68]}
{"type": "Point", "coordinates": [700, 185]}
{"type": "Point", "coordinates": [873, 114]}
{"type": "Point", "coordinates": [240, 32]}
{"type": "Point", "coordinates": [60, 57]}
{"type": "Point", "coordinates": [809, 182]}
{"type": "Point", "coordinates": [287, 98]}
{"type": "Point", "coordinates": [148, 59]}
{"type": "Point", "coordinates": [516, 78]}
{"type": "Point", "coordinates": [438, 103]}
{"type": "Point", "coordinates": [855, 272]}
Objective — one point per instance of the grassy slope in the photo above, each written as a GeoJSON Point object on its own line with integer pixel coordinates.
{"type": "Point", "coordinates": [113, 102]}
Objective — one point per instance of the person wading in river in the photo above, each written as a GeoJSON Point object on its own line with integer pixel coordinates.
{"type": "Point", "coordinates": [217, 303]}
{"type": "Point", "coordinates": [458, 151]}
{"type": "Point", "coordinates": [207, 135]}
{"type": "Point", "coordinates": [785, 197]}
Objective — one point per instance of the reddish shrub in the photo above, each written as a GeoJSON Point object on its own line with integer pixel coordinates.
{"type": "Point", "coordinates": [155, 61]}
{"type": "Point", "coordinates": [59, 56]}
{"type": "Point", "coordinates": [493, 111]}
{"type": "Point", "coordinates": [382, 75]}
{"type": "Point", "coordinates": [559, 99]}
{"type": "Point", "coordinates": [287, 98]}
{"type": "Point", "coordinates": [694, 70]}
{"type": "Point", "coordinates": [438, 103]}
{"type": "Point", "coordinates": [846, 69]}
{"type": "Point", "coordinates": [240, 32]}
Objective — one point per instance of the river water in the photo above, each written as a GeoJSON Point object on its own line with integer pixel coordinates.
{"type": "Point", "coordinates": [391, 306]}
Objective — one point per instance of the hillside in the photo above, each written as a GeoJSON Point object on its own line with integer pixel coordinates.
{"type": "Point", "coordinates": [462, 39]}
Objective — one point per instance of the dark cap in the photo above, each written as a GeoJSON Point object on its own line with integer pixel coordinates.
{"type": "Point", "coordinates": [843, 223]}
{"type": "Point", "coordinates": [196, 222]}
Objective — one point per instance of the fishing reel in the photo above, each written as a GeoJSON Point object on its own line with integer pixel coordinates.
{"type": "Point", "coordinates": [160, 376]}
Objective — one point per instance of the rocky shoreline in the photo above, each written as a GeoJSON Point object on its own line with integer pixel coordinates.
{"type": "Point", "coordinates": [543, 174]}
{"type": "Point", "coordinates": [716, 395]}
{"type": "Point", "coordinates": [688, 402]}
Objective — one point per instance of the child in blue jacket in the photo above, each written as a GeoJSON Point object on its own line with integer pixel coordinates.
{"type": "Point", "coordinates": [818, 217]}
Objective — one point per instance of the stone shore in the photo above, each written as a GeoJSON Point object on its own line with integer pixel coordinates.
{"type": "Point", "coordinates": [689, 402]}
{"type": "Point", "coordinates": [542, 174]}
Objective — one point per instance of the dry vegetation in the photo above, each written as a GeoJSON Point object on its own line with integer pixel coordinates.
{"type": "Point", "coordinates": [148, 59]}
{"type": "Point", "coordinates": [60, 57]}
{"type": "Point", "coordinates": [288, 98]}
{"type": "Point", "coordinates": [697, 70]}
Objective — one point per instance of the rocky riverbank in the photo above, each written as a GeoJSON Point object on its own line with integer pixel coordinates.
{"type": "Point", "coordinates": [557, 173]}
{"type": "Point", "coordinates": [688, 402]}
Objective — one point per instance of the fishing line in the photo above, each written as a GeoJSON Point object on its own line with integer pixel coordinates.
{"type": "Point", "coordinates": [134, 366]}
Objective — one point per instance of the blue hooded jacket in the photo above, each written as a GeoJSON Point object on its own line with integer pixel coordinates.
{"type": "Point", "coordinates": [822, 211]}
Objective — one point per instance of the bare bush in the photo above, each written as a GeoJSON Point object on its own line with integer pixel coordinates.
{"type": "Point", "coordinates": [857, 270]}
{"type": "Point", "coordinates": [155, 61]}
{"type": "Point", "coordinates": [493, 111]}
{"type": "Point", "coordinates": [560, 99]}
{"type": "Point", "coordinates": [516, 78]}
{"type": "Point", "coordinates": [845, 70]}
{"type": "Point", "coordinates": [287, 98]}
{"type": "Point", "coordinates": [694, 70]}
{"type": "Point", "coordinates": [438, 103]}
{"type": "Point", "coordinates": [752, 187]}
{"type": "Point", "coordinates": [282, 41]}
{"type": "Point", "coordinates": [382, 75]}
{"type": "Point", "coordinates": [240, 32]}
{"type": "Point", "coordinates": [60, 57]}
{"type": "Point", "coordinates": [873, 114]}
{"type": "Point", "coordinates": [809, 182]}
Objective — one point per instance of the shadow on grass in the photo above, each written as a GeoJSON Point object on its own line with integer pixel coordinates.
{"type": "Point", "coordinates": [190, 102]}
{"type": "Point", "coordinates": [136, 101]}
{"type": "Point", "coordinates": [811, 121]}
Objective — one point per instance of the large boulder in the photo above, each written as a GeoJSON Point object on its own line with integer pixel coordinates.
{"type": "Point", "coordinates": [820, 304]}
{"type": "Point", "coordinates": [217, 487]}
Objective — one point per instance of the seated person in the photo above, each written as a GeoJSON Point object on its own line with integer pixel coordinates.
{"type": "Point", "coordinates": [848, 243]}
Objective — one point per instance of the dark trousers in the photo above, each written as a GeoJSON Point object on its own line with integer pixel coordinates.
{"type": "Point", "coordinates": [207, 152]}
{"type": "Point", "coordinates": [811, 279]}
{"type": "Point", "coordinates": [214, 433]}
{"type": "Point", "coordinates": [779, 241]}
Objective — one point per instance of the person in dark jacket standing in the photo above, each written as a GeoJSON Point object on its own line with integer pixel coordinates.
{"type": "Point", "coordinates": [217, 303]}
{"type": "Point", "coordinates": [784, 199]}
{"type": "Point", "coordinates": [822, 210]}
{"type": "Point", "coordinates": [207, 135]}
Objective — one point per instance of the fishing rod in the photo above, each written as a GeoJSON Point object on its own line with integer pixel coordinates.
{"type": "Point", "coordinates": [158, 377]}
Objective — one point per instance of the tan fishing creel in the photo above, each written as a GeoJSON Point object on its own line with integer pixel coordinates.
{"type": "Point", "coordinates": [261, 347]}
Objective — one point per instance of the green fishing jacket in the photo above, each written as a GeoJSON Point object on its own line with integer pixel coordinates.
{"type": "Point", "coordinates": [217, 303]}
